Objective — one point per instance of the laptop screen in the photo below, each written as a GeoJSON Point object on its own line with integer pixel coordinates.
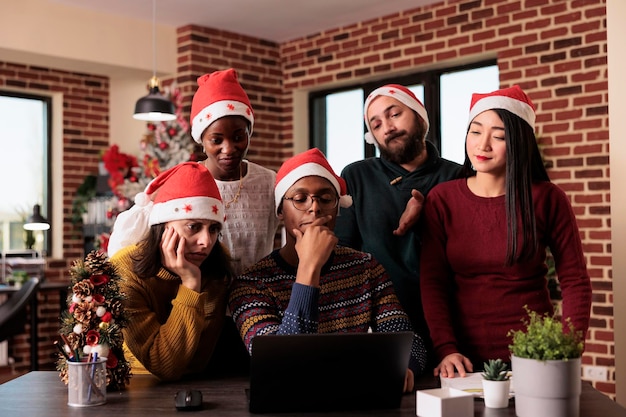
{"type": "Point", "coordinates": [328, 372]}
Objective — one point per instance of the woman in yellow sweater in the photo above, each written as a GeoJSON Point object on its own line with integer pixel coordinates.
{"type": "Point", "coordinates": [175, 278]}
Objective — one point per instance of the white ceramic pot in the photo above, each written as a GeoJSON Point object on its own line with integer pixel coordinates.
{"type": "Point", "coordinates": [496, 393]}
{"type": "Point", "coordinates": [546, 388]}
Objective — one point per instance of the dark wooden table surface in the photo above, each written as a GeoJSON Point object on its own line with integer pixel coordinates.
{"type": "Point", "coordinates": [42, 394]}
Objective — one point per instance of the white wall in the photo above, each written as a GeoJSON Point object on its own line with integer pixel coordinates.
{"type": "Point", "coordinates": [81, 40]}
{"type": "Point", "coordinates": [616, 26]}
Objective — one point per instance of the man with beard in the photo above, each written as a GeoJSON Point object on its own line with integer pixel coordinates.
{"type": "Point", "coordinates": [388, 192]}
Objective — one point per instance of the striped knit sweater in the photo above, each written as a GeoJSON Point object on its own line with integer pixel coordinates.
{"type": "Point", "coordinates": [355, 295]}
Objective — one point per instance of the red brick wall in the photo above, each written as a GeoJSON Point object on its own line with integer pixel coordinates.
{"type": "Point", "coordinates": [85, 134]}
{"type": "Point", "coordinates": [555, 49]}
{"type": "Point", "coordinates": [202, 50]}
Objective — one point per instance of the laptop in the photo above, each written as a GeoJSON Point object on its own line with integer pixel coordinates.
{"type": "Point", "coordinates": [328, 372]}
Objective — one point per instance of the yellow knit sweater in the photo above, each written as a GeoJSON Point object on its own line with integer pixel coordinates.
{"type": "Point", "coordinates": [172, 330]}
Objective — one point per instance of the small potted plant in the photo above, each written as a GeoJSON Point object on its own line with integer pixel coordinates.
{"type": "Point", "coordinates": [496, 383]}
{"type": "Point", "coordinates": [546, 367]}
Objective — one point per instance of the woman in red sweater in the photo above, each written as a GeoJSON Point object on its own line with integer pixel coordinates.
{"type": "Point", "coordinates": [485, 239]}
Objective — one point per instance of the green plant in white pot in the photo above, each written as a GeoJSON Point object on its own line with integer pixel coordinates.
{"type": "Point", "coordinates": [496, 384]}
{"type": "Point", "coordinates": [546, 367]}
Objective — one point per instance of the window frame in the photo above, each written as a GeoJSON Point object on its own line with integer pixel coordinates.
{"type": "Point", "coordinates": [46, 203]}
{"type": "Point", "coordinates": [432, 92]}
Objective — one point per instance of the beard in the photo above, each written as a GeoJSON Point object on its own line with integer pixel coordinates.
{"type": "Point", "coordinates": [404, 150]}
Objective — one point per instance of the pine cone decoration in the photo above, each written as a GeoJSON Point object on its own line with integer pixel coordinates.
{"type": "Point", "coordinates": [115, 307]}
{"type": "Point", "coordinates": [83, 288]}
{"type": "Point", "coordinates": [83, 313]}
{"type": "Point", "coordinates": [95, 261]}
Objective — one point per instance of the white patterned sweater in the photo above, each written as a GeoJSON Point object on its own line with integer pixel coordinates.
{"type": "Point", "coordinates": [251, 222]}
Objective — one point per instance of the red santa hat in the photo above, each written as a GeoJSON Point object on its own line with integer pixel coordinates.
{"type": "Point", "coordinates": [404, 96]}
{"type": "Point", "coordinates": [305, 164]}
{"type": "Point", "coordinates": [185, 191]}
{"type": "Point", "coordinates": [513, 99]}
{"type": "Point", "coordinates": [219, 94]}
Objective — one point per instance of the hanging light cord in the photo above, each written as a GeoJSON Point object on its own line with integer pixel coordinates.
{"type": "Point", "coordinates": [154, 38]}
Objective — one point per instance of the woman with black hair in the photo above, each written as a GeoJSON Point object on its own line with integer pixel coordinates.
{"type": "Point", "coordinates": [485, 239]}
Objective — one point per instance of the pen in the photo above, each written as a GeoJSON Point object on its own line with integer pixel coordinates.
{"type": "Point", "coordinates": [93, 374]}
{"type": "Point", "coordinates": [67, 345]}
{"type": "Point", "coordinates": [62, 350]}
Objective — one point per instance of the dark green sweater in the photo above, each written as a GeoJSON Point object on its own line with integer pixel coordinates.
{"type": "Point", "coordinates": [369, 223]}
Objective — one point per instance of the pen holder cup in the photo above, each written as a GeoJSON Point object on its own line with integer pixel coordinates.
{"type": "Point", "coordinates": [87, 383]}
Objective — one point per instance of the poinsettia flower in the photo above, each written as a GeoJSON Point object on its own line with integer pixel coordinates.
{"type": "Point", "coordinates": [99, 279]}
{"type": "Point", "coordinates": [92, 338]}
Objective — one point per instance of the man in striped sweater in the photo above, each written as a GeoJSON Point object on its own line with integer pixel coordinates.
{"type": "Point", "coordinates": [312, 285]}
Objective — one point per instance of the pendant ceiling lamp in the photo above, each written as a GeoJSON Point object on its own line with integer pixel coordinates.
{"type": "Point", "coordinates": [154, 107]}
{"type": "Point", "coordinates": [36, 221]}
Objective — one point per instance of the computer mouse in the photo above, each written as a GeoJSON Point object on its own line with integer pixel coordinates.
{"type": "Point", "coordinates": [188, 400]}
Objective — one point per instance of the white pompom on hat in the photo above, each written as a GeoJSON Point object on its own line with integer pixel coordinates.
{"type": "Point", "coordinates": [185, 191]}
{"type": "Point", "coordinates": [219, 94]}
{"type": "Point", "coordinates": [404, 96]}
{"type": "Point", "coordinates": [306, 164]}
{"type": "Point", "coordinates": [513, 99]}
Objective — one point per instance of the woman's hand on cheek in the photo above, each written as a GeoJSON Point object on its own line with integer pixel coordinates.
{"type": "Point", "coordinates": [173, 258]}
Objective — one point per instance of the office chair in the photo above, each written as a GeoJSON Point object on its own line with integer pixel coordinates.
{"type": "Point", "coordinates": [13, 310]}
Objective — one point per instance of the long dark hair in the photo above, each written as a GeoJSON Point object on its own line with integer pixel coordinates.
{"type": "Point", "coordinates": [524, 166]}
{"type": "Point", "coordinates": [147, 259]}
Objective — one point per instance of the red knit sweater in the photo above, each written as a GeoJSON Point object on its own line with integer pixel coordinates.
{"type": "Point", "coordinates": [471, 300]}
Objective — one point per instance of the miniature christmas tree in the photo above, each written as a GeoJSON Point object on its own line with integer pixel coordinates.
{"type": "Point", "coordinates": [94, 320]}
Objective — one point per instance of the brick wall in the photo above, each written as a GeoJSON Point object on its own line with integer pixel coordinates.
{"type": "Point", "coordinates": [555, 49]}
{"type": "Point", "coordinates": [203, 50]}
{"type": "Point", "coordinates": [85, 134]}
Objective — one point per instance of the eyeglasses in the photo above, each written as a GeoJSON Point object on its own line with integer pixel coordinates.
{"type": "Point", "coordinates": [303, 202]}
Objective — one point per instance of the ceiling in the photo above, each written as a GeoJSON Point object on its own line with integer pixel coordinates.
{"type": "Point", "coordinates": [273, 20]}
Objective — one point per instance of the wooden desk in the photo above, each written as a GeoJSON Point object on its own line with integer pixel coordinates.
{"type": "Point", "coordinates": [42, 394]}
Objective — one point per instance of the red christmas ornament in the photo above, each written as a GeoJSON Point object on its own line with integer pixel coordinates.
{"type": "Point", "coordinates": [171, 131]}
{"type": "Point", "coordinates": [163, 146]}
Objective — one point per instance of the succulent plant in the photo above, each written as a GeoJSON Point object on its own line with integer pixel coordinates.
{"type": "Point", "coordinates": [496, 370]}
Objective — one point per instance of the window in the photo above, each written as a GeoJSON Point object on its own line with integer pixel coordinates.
{"type": "Point", "coordinates": [336, 116]}
{"type": "Point", "coordinates": [24, 165]}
